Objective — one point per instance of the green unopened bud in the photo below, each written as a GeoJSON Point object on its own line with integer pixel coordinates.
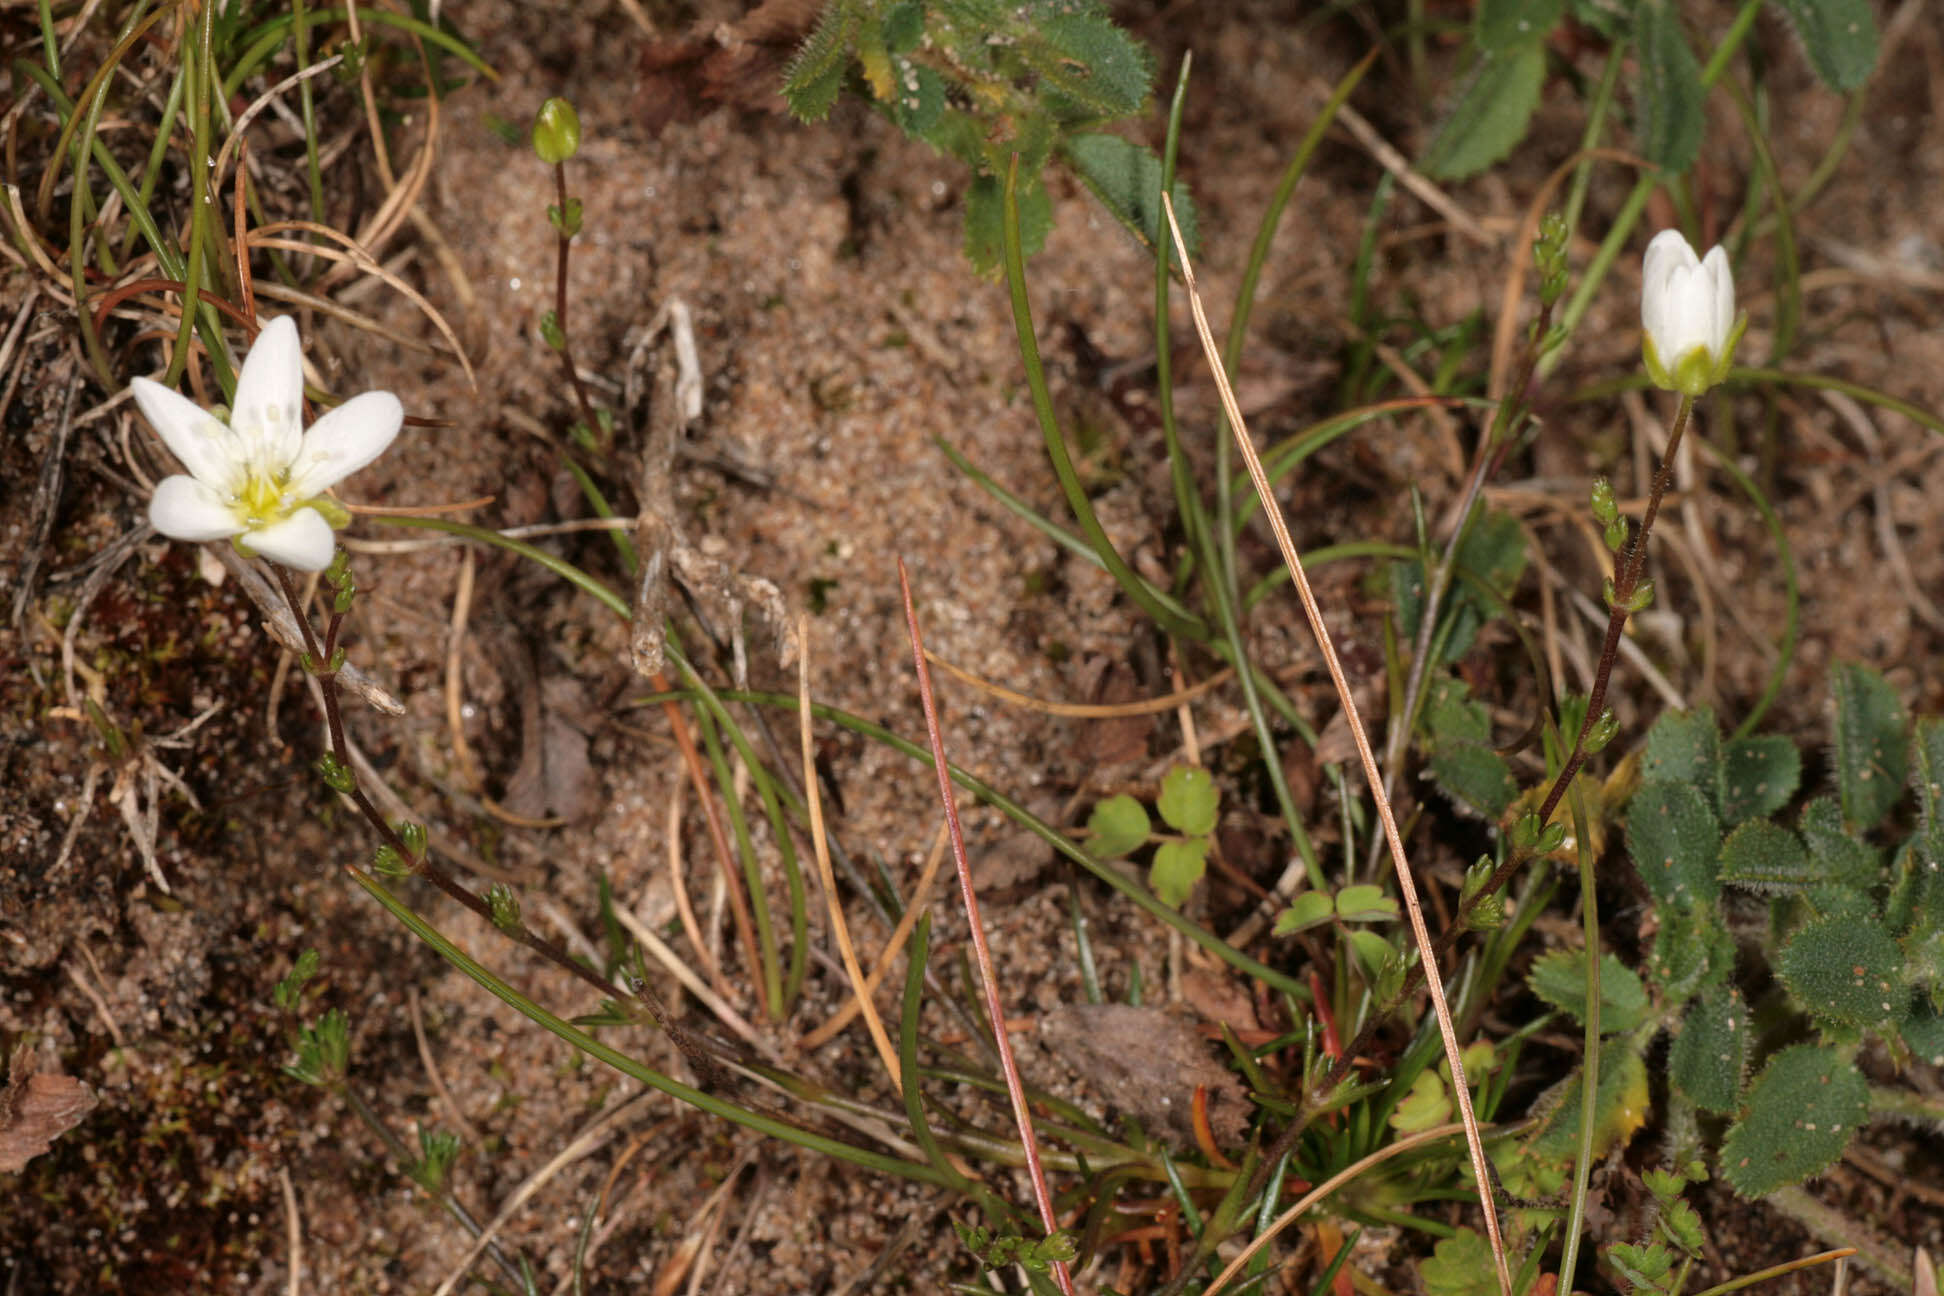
{"type": "Point", "coordinates": [505, 906]}
{"type": "Point", "coordinates": [413, 835]}
{"type": "Point", "coordinates": [1602, 731]}
{"type": "Point", "coordinates": [339, 572]}
{"type": "Point", "coordinates": [346, 593]}
{"type": "Point", "coordinates": [1605, 507]}
{"type": "Point", "coordinates": [550, 331]}
{"type": "Point", "coordinates": [567, 221]}
{"type": "Point", "coordinates": [336, 772]}
{"type": "Point", "coordinates": [1549, 255]}
{"type": "Point", "coordinates": [1642, 597]}
{"type": "Point", "coordinates": [1390, 978]}
{"type": "Point", "coordinates": [1616, 534]}
{"type": "Point", "coordinates": [1525, 833]}
{"type": "Point", "coordinates": [556, 131]}
{"type": "Point", "coordinates": [336, 663]}
{"type": "Point", "coordinates": [389, 863]}
{"type": "Point", "coordinates": [438, 1150]}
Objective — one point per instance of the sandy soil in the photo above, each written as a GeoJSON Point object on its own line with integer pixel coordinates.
{"type": "Point", "coordinates": [839, 333]}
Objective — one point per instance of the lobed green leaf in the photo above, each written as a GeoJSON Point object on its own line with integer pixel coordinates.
{"type": "Point", "coordinates": [1559, 978]}
{"type": "Point", "coordinates": [1800, 1114]}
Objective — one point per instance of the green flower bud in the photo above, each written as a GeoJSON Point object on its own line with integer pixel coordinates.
{"type": "Point", "coordinates": [556, 131]}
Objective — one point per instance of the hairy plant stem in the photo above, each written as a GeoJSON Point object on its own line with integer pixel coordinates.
{"type": "Point", "coordinates": [707, 1068]}
{"type": "Point", "coordinates": [1626, 581]}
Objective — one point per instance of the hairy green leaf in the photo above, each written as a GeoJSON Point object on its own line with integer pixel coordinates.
{"type": "Point", "coordinates": [1692, 951]}
{"type": "Point", "coordinates": [1839, 36]}
{"type": "Point", "coordinates": [1927, 780]}
{"type": "Point", "coordinates": [1620, 1106]}
{"type": "Point", "coordinates": [1836, 852]}
{"type": "Point", "coordinates": [1870, 743]}
{"type": "Point", "coordinates": [1758, 776]}
{"type": "Point", "coordinates": [1685, 747]}
{"type": "Point", "coordinates": [1127, 180]}
{"type": "Point", "coordinates": [1491, 115]}
{"type": "Point", "coordinates": [1674, 839]}
{"type": "Point", "coordinates": [985, 207]}
{"type": "Point", "coordinates": [1670, 88]}
{"type": "Point", "coordinates": [1800, 1115]}
{"type": "Point", "coordinates": [1710, 1054]}
{"type": "Point", "coordinates": [1559, 977]}
{"type": "Point", "coordinates": [1460, 1265]}
{"type": "Point", "coordinates": [1501, 24]}
{"type": "Point", "coordinates": [816, 74]}
{"type": "Point", "coordinates": [1924, 1033]}
{"type": "Point", "coordinates": [1764, 856]}
{"type": "Point", "coordinates": [1474, 776]}
{"type": "Point", "coordinates": [1089, 68]}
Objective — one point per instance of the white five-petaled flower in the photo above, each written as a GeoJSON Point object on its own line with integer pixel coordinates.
{"type": "Point", "coordinates": [1687, 315]}
{"type": "Point", "coordinates": [260, 478]}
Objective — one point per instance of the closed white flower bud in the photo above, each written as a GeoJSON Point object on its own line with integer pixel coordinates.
{"type": "Point", "coordinates": [1687, 315]}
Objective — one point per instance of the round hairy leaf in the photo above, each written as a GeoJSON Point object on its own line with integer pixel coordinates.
{"type": "Point", "coordinates": [1674, 838]}
{"type": "Point", "coordinates": [1710, 1053]}
{"type": "Point", "coordinates": [1188, 800]}
{"type": "Point", "coordinates": [1870, 749]}
{"type": "Point", "coordinates": [1764, 856]}
{"type": "Point", "coordinates": [1836, 852]}
{"type": "Point", "coordinates": [1799, 1117]}
{"type": "Point", "coordinates": [1845, 969]}
{"type": "Point", "coordinates": [1117, 825]}
{"type": "Point", "coordinates": [1685, 747]}
{"type": "Point", "coordinates": [1559, 978]}
{"type": "Point", "coordinates": [1758, 776]}
{"type": "Point", "coordinates": [1692, 950]}
{"type": "Point", "coordinates": [1924, 1033]}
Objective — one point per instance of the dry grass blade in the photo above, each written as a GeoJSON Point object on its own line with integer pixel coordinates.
{"type": "Point", "coordinates": [1083, 710]}
{"type": "Point", "coordinates": [920, 897]}
{"type": "Point", "coordinates": [813, 797]}
{"type": "Point", "coordinates": [995, 1010]}
{"type": "Point", "coordinates": [1272, 510]}
{"type": "Point", "coordinates": [1323, 1190]}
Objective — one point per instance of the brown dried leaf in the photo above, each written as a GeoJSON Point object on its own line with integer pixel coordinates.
{"type": "Point", "coordinates": [1148, 1062]}
{"type": "Point", "coordinates": [35, 1110]}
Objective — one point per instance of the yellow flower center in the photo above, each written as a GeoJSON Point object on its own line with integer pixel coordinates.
{"type": "Point", "coordinates": [261, 500]}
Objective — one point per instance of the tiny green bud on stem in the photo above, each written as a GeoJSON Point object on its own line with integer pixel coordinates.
{"type": "Point", "coordinates": [389, 863]}
{"type": "Point", "coordinates": [556, 131]}
{"type": "Point", "coordinates": [413, 835]}
{"type": "Point", "coordinates": [505, 906]}
{"type": "Point", "coordinates": [550, 331]}
{"type": "Point", "coordinates": [336, 772]}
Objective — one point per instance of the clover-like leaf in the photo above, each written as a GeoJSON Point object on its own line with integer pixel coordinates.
{"type": "Point", "coordinates": [1674, 839]}
{"type": "Point", "coordinates": [1559, 977]}
{"type": "Point", "coordinates": [1426, 1105]}
{"type": "Point", "coordinates": [1800, 1114]}
{"type": "Point", "coordinates": [1310, 909]}
{"type": "Point", "coordinates": [1117, 825]}
{"type": "Point", "coordinates": [1188, 800]}
{"type": "Point", "coordinates": [1460, 1265]}
{"type": "Point", "coordinates": [1365, 903]}
{"type": "Point", "coordinates": [1177, 866]}
{"type": "Point", "coordinates": [1845, 969]}
{"type": "Point", "coordinates": [1710, 1054]}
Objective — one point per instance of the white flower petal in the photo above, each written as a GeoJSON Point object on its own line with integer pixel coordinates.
{"type": "Point", "coordinates": [268, 412]}
{"type": "Point", "coordinates": [1722, 277]}
{"type": "Point", "coordinates": [183, 508]}
{"type": "Point", "coordinates": [302, 541]}
{"type": "Point", "coordinates": [345, 440]}
{"type": "Point", "coordinates": [205, 447]}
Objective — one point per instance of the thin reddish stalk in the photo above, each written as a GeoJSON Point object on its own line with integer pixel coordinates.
{"type": "Point", "coordinates": [995, 1012]}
